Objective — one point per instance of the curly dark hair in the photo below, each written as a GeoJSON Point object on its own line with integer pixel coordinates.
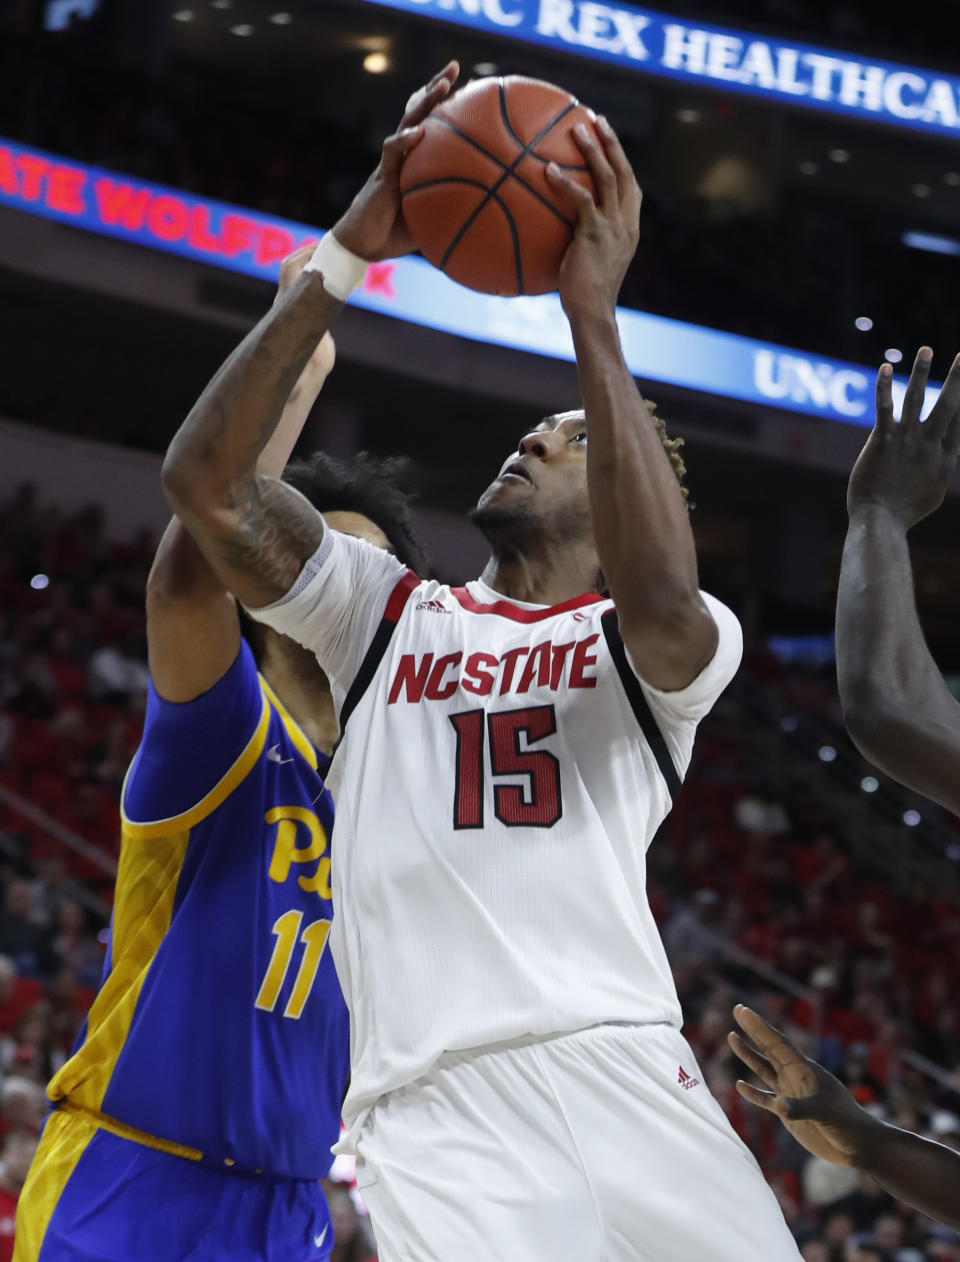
{"type": "Point", "coordinates": [376, 486]}
{"type": "Point", "coordinates": [672, 447]}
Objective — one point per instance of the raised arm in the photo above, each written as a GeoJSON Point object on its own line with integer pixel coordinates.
{"type": "Point", "coordinates": [255, 531]}
{"type": "Point", "coordinates": [640, 521]}
{"type": "Point", "coordinates": [822, 1115]}
{"type": "Point", "coordinates": [897, 708]}
{"type": "Point", "coordinates": [193, 632]}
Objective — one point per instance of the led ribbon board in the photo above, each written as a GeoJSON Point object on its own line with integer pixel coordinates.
{"type": "Point", "coordinates": [212, 232]}
{"type": "Point", "coordinates": [715, 57]}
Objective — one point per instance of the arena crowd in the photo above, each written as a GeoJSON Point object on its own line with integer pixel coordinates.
{"type": "Point", "coordinates": [758, 898]}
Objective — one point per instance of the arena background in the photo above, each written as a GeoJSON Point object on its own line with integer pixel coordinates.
{"type": "Point", "coordinates": [156, 159]}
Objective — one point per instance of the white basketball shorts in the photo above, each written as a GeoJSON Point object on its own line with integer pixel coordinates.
{"type": "Point", "coordinates": [599, 1146]}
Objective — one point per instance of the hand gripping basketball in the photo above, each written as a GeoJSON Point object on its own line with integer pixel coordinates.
{"type": "Point", "coordinates": [475, 193]}
{"type": "Point", "coordinates": [373, 226]}
{"type": "Point", "coordinates": [608, 224]}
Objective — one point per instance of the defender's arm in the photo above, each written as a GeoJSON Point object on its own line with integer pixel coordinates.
{"type": "Point", "coordinates": [896, 706]}
{"type": "Point", "coordinates": [823, 1116]}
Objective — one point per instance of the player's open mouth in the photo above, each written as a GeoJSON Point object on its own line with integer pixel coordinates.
{"type": "Point", "coordinates": [516, 470]}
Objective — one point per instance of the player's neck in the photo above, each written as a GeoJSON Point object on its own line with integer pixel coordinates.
{"type": "Point", "coordinates": [547, 579]}
{"type": "Point", "coordinates": [304, 692]}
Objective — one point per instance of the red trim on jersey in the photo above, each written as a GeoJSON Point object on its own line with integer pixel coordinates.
{"type": "Point", "coordinates": [400, 595]}
{"type": "Point", "coordinates": [506, 609]}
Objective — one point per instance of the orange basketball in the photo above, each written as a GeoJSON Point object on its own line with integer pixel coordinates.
{"type": "Point", "coordinates": [474, 191]}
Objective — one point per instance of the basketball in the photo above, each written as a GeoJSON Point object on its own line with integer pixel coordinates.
{"type": "Point", "coordinates": [475, 195]}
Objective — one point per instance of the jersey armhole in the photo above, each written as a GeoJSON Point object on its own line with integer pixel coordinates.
{"type": "Point", "coordinates": [378, 645]}
{"type": "Point", "coordinates": [142, 830]}
{"type": "Point", "coordinates": [639, 704]}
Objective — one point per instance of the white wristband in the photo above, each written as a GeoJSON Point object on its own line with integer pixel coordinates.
{"type": "Point", "coordinates": [342, 270]}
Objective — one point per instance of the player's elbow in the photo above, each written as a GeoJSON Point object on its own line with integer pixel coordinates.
{"type": "Point", "coordinates": [190, 483]}
{"type": "Point", "coordinates": [670, 647]}
{"type": "Point", "coordinates": [179, 486]}
{"type": "Point", "coordinates": [887, 735]}
{"type": "Point", "coordinates": [873, 722]}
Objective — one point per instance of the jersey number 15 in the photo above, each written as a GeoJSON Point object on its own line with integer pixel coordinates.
{"type": "Point", "coordinates": [538, 803]}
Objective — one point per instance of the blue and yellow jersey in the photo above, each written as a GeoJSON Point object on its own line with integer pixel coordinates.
{"type": "Point", "coordinates": [220, 1026]}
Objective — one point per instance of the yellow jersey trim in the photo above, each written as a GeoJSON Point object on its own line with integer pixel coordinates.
{"type": "Point", "coordinates": [146, 890]}
{"type": "Point", "coordinates": [121, 1129]}
{"type": "Point", "coordinates": [143, 831]}
{"type": "Point", "coordinates": [62, 1144]}
{"type": "Point", "coordinates": [294, 731]}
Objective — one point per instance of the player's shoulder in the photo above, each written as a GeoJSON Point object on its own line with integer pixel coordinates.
{"type": "Point", "coordinates": [476, 600]}
{"type": "Point", "coordinates": [192, 755]}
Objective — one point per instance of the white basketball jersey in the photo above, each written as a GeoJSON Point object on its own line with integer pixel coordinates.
{"type": "Point", "coordinates": [500, 774]}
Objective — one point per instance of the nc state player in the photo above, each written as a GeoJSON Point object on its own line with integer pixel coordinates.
{"type": "Point", "coordinates": [519, 1085]}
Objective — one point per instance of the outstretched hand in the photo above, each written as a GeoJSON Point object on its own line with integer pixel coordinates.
{"type": "Point", "coordinates": [906, 467]}
{"type": "Point", "coordinates": [373, 226]}
{"type": "Point", "coordinates": [815, 1107]}
{"type": "Point", "coordinates": [608, 225]}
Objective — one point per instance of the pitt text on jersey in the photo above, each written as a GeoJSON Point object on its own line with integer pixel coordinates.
{"type": "Point", "coordinates": [287, 928]}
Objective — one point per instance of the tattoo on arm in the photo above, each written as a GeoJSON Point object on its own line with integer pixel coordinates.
{"type": "Point", "coordinates": [275, 530]}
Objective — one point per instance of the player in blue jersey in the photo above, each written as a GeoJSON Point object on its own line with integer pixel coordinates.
{"type": "Point", "coordinates": [196, 1115]}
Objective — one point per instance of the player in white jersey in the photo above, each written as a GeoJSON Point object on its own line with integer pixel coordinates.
{"type": "Point", "coordinates": [520, 1089]}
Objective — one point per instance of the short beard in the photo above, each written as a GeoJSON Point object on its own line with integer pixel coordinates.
{"type": "Point", "coordinates": [518, 532]}
{"type": "Point", "coordinates": [506, 530]}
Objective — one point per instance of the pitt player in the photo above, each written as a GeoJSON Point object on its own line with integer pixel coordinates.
{"type": "Point", "coordinates": [198, 1110]}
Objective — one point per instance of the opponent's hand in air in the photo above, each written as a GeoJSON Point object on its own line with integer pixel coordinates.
{"type": "Point", "coordinates": [608, 226]}
{"type": "Point", "coordinates": [320, 364]}
{"type": "Point", "coordinates": [373, 227]}
{"type": "Point", "coordinates": [815, 1107]}
{"type": "Point", "coordinates": [906, 467]}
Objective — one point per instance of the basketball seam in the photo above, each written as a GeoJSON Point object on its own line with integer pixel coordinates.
{"type": "Point", "coordinates": [505, 167]}
{"type": "Point", "coordinates": [466, 179]}
{"type": "Point", "coordinates": [492, 192]}
{"type": "Point", "coordinates": [505, 119]}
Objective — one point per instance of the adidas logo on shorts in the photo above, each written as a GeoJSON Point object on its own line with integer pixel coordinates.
{"type": "Point", "coordinates": [686, 1080]}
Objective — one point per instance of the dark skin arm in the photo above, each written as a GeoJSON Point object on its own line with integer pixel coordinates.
{"type": "Point", "coordinates": [640, 521]}
{"type": "Point", "coordinates": [193, 631]}
{"type": "Point", "coordinates": [897, 708]}
{"type": "Point", "coordinates": [255, 531]}
{"type": "Point", "coordinates": [823, 1116]}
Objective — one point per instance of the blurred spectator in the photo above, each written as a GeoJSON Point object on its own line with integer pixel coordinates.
{"type": "Point", "coordinates": [944, 1245]}
{"type": "Point", "coordinates": [814, 1251]}
{"type": "Point", "coordinates": [694, 930]}
{"type": "Point", "coordinates": [827, 1184]}
{"type": "Point", "coordinates": [26, 1052]}
{"type": "Point", "coordinates": [945, 1128]}
{"type": "Point", "coordinates": [350, 1243]}
{"type": "Point", "coordinates": [16, 1153]}
{"type": "Point", "coordinates": [17, 994]}
{"type": "Point", "coordinates": [865, 1203]}
{"type": "Point", "coordinates": [21, 935]}
{"type": "Point", "coordinates": [75, 949]}
{"type": "Point", "coordinates": [22, 1106]}
{"type": "Point", "coordinates": [115, 675]}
